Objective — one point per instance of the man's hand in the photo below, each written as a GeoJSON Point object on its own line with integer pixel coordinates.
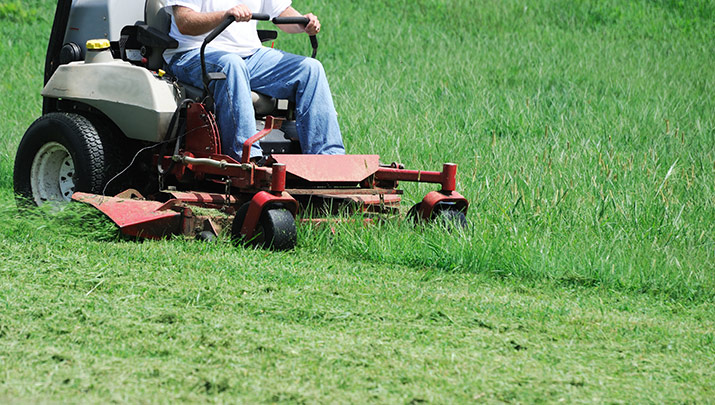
{"type": "Point", "coordinates": [241, 12]}
{"type": "Point", "coordinates": [313, 27]}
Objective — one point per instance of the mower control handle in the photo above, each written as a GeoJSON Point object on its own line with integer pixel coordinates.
{"type": "Point", "coordinates": [210, 37]}
{"type": "Point", "coordinates": [301, 21]}
{"type": "Point", "coordinates": [230, 20]}
{"type": "Point", "coordinates": [290, 20]}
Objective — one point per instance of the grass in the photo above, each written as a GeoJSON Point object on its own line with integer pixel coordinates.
{"type": "Point", "coordinates": [585, 138]}
{"type": "Point", "coordinates": [116, 320]}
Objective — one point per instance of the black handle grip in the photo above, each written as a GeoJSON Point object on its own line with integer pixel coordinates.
{"type": "Point", "coordinates": [314, 45]}
{"type": "Point", "coordinates": [301, 21]}
{"type": "Point", "coordinates": [291, 20]}
{"type": "Point", "coordinates": [261, 17]}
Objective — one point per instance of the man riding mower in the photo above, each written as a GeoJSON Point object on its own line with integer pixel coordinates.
{"type": "Point", "coordinates": [145, 147]}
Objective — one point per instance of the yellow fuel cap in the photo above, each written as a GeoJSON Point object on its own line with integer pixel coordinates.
{"type": "Point", "coordinates": [98, 44]}
{"type": "Point", "coordinates": [161, 72]}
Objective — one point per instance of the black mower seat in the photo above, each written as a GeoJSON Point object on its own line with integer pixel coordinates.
{"type": "Point", "coordinates": [262, 104]}
{"type": "Point", "coordinates": [278, 141]}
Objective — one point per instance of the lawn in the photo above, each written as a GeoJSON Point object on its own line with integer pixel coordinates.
{"type": "Point", "coordinates": [584, 132]}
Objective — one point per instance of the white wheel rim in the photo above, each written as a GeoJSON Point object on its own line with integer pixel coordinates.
{"type": "Point", "coordinates": [52, 174]}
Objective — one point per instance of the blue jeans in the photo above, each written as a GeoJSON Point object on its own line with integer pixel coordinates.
{"type": "Point", "coordinates": [274, 73]}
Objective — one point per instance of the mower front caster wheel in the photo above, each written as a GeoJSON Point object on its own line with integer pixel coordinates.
{"type": "Point", "coordinates": [275, 230]}
{"type": "Point", "coordinates": [451, 219]}
{"type": "Point", "coordinates": [206, 236]}
{"type": "Point", "coordinates": [443, 215]}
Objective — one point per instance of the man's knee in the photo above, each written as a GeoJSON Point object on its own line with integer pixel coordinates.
{"type": "Point", "coordinates": [313, 68]}
{"type": "Point", "coordinates": [230, 63]}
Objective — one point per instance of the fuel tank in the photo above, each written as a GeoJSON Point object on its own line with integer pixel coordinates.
{"type": "Point", "coordinates": [139, 102]}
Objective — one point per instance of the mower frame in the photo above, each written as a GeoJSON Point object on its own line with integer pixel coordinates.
{"type": "Point", "coordinates": [198, 174]}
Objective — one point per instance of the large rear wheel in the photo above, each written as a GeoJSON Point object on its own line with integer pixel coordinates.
{"type": "Point", "coordinates": [61, 153]}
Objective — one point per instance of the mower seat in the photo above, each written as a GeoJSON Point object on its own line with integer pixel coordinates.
{"type": "Point", "coordinates": [155, 15]}
{"type": "Point", "coordinates": [144, 43]}
{"type": "Point", "coordinates": [155, 36]}
{"type": "Point", "coordinates": [262, 104]}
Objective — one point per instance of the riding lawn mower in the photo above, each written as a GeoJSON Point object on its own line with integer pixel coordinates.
{"type": "Point", "coordinates": [119, 133]}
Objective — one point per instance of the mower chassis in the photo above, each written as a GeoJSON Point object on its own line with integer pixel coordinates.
{"type": "Point", "coordinates": [264, 188]}
{"type": "Point", "coordinates": [278, 184]}
{"type": "Point", "coordinates": [281, 187]}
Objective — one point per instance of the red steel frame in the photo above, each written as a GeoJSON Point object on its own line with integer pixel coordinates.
{"type": "Point", "coordinates": [447, 195]}
{"type": "Point", "coordinates": [265, 185]}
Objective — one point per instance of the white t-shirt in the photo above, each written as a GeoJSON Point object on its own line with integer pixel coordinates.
{"type": "Point", "coordinates": [240, 38]}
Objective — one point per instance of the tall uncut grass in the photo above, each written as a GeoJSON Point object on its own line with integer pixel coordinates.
{"type": "Point", "coordinates": [584, 133]}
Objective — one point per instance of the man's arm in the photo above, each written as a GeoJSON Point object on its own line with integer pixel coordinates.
{"type": "Point", "coordinates": [312, 28]}
{"type": "Point", "coordinates": [190, 22]}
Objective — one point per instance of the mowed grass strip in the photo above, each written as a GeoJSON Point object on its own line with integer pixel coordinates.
{"type": "Point", "coordinates": [585, 138]}
{"type": "Point", "coordinates": [184, 320]}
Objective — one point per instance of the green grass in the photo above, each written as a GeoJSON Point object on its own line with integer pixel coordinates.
{"type": "Point", "coordinates": [585, 137]}
{"type": "Point", "coordinates": [182, 320]}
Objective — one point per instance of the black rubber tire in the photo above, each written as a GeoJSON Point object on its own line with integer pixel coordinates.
{"type": "Point", "coordinates": [413, 215]}
{"type": "Point", "coordinates": [443, 215]}
{"type": "Point", "coordinates": [236, 236]}
{"type": "Point", "coordinates": [206, 236]}
{"type": "Point", "coordinates": [81, 139]}
{"type": "Point", "coordinates": [451, 219]}
{"type": "Point", "coordinates": [276, 229]}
